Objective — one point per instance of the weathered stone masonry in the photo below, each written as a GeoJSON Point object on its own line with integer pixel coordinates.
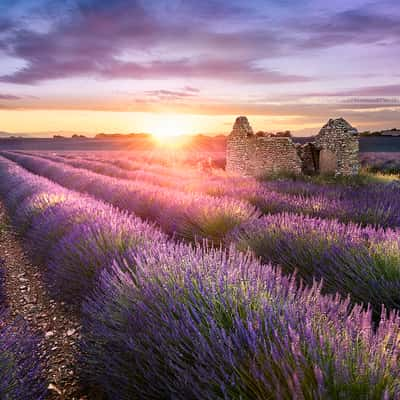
{"type": "Point", "coordinates": [249, 154]}
{"type": "Point", "coordinates": [335, 150]}
{"type": "Point", "coordinates": [338, 144]}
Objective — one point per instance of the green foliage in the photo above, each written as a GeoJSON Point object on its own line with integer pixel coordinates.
{"type": "Point", "coordinates": [365, 177]}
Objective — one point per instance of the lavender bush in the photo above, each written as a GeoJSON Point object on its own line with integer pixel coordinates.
{"type": "Point", "coordinates": [375, 204]}
{"type": "Point", "coordinates": [192, 325]}
{"type": "Point", "coordinates": [76, 258]}
{"type": "Point", "coordinates": [388, 163]}
{"type": "Point", "coordinates": [362, 262]}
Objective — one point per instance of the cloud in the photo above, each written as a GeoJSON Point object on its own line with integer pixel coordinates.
{"type": "Point", "coordinates": [208, 39]}
{"type": "Point", "coordinates": [382, 90]}
{"type": "Point", "coordinates": [8, 97]}
{"type": "Point", "coordinates": [163, 94]}
{"type": "Point", "coordinates": [56, 59]}
{"type": "Point", "coordinates": [191, 89]}
{"type": "Point", "coordinates": [5, 25]}
{"type": "Point", "coordinates": [359, 25]}
{"type": "Point", "coordinates": [221, 69]}
{"type": "Point", "coordinates": [91, 37]}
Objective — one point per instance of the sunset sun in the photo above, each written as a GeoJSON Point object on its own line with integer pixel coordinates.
{"type": "Point", "coordinates": [166, 128]}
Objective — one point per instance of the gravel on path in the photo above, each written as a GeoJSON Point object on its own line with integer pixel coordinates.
{"type": "Point", "coordinates": [54, 322]}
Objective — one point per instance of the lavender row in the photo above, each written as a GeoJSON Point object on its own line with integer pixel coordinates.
{"type": "Point", "coordinates": [339, 254]}
{"type": "Point", "coordinates": [199, 333]}
{"type": "Point", "coordinates": [382, 162]}
{"type": "Point", "coordinates": [188, 180]}
{"type": "Point", "coordinates": [128, 165]}
{"type": "Point", "coordinates": [193, 216]}
{"type": "Point", "coordinates": [20, 368]}
{"type": "Point", "coordinates": [373, 204]}
{"type": "Point", "coordinates": [168, 320]}
{"type": "Point", "coordinates": [362, 262]}
{"type": "Point", "coordinates": [74, 234]}
{"type": "Point", "coordinates": [108, 169]}
{"type": "Point", "coordinates": [376, 204]}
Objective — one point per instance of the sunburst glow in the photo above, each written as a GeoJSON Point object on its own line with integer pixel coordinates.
{"type": "Point", "coordinates": [164, 127]}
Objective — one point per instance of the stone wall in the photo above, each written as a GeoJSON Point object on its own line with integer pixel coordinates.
{"type": "Point", "coordinates": [272, 155]}
{"type": "Point", "coordinates": [338, 143]}
{"type": "Point", "coordinates": [250, 154]}
{"type": "Point", "coordinates": [237, 155]}
{"type": "Point", "coordinates": [335, 150]}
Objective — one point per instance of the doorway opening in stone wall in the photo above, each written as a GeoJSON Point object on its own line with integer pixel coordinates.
{"type": "Point", "coordinates": [315, 155]}
{"type": "Point", "coordinates": [327, 162]}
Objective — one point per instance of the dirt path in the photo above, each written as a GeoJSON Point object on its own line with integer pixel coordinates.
{"type": "Point", "coordinates": [54, 322]}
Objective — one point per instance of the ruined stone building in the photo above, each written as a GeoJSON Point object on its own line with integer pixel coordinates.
{"type": "Point", "coordinates": [334, 150]}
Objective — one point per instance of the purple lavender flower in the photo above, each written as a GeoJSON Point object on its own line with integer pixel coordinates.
{"type": "Point", "coordinates": [362, 262]}
{"type": "Point", "coordinates": [180, 326]}
{"type": "Point", "coordinates": [174, 320]}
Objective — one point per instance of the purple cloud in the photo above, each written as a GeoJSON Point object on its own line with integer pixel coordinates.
{"type": "Point", "coordinates": [381, 90]}
{"type": "Point", "coordinates": [221, 69]}
{"type": "Point", "coordinates": [360, 25]}
{"type": "Point", "coordinates": [89, 40]}
{"type": "Point", "coordinates": [8, 97]}
{"type": "Point", "coordinates": [191, 89]}
{"type": "Point", "coordinates": [5, 25]}
{"type": "Point", "coordinates": [163, 94]}
{"type": "Point", "coordinates": [52, 59]}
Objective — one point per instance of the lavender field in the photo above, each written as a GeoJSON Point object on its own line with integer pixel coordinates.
{"type": "Point", "coordinates": [188, 283]}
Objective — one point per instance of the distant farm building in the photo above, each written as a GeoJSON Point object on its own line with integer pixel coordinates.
{"type": "Point", "coordinates": [333, 151]}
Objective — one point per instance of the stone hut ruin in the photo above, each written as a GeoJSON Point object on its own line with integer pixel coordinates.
{"type": "Point", "coordinates": [333, 151]}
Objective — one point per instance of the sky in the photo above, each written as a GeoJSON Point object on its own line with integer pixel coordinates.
{"type": "Point", "coordinates": [189, 66]}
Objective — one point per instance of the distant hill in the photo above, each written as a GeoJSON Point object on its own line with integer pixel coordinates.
{"type": "Point", "coordinates": [386, 132]}
{"type": "Point", "coordinates": [7, 135]}
{"type": "Point", "coordinates": [123, 136]}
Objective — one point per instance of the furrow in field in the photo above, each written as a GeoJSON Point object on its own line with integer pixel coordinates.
{"type": "Point", "coordinates": [55, 325]}
{"type": "Point", "coordinates": [22, 374]}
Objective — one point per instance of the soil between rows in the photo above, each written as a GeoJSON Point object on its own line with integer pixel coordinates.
{"type": "Point", "coordinates": [55, 323]}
